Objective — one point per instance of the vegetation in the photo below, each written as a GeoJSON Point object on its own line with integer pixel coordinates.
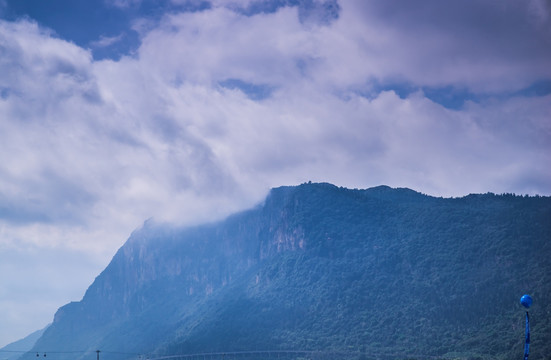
{"type": "Point", "coordinates": [367, 274]}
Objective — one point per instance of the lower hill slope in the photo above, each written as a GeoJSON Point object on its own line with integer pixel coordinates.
{"type": "Point", "coordinates": [376, 273]}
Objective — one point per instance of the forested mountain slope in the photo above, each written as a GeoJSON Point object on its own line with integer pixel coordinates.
{"type": "Point", "coordinates": [368, 273]}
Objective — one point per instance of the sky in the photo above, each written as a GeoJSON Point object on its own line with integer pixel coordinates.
{"type": "Point", "coordinates": [113, 112]}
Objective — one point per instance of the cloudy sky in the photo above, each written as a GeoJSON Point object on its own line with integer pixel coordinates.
{"type": "Point", "coordinates": [116, 111]}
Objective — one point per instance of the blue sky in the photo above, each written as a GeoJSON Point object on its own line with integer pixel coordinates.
{"type": "Point", "coordinates": [116, 111]}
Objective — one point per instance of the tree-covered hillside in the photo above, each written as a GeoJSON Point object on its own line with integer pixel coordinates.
{"type": "Point", "coordinates": [376, 273]}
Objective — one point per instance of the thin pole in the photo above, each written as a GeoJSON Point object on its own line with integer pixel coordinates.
{"type": "Point", "coordinates": [527, 337]}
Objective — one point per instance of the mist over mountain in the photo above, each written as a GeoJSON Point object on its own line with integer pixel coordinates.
{"type": "Point", "coordinates": [376, 273]}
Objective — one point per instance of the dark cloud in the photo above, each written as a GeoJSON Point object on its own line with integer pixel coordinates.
{"type": "Point", "coordinates": [47, 198]}
{"type": "Point", "coordinates": [469, 39]}
{"type": "Point", "coordinates": [14, 212]}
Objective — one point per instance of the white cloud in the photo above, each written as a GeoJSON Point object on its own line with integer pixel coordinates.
{"type": "Point", "coordinates": [123, 3]}
{"type": "Point", "coordinates": [218, 44]}
{"type": "Point", "coordinates": [105, 41]}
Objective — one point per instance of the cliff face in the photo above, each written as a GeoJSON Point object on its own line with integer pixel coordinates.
{"type": "Point", "coordinates": [317, 267]}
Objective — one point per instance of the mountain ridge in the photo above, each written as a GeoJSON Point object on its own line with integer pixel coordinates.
{"type": "Point", "coordinates": [318, 267]}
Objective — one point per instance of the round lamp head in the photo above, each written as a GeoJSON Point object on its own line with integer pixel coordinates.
{"type": "Point", "coordinates": [526, 301]}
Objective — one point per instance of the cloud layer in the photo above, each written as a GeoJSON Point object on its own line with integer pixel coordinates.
{"type": "Point", "coordinates": [217, 106]}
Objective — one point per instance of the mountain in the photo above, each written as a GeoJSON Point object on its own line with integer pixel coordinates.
{"type": "Point", "coordinates": [14, 350]}
{"type": "Point", "coordinates": [359, 274]}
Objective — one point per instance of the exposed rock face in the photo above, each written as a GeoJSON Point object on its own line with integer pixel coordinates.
{"type": "Point", "coordinates": [319, 267]}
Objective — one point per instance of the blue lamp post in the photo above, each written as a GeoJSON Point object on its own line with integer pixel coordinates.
{"type": "Point", "coordinates": [526, 301]}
